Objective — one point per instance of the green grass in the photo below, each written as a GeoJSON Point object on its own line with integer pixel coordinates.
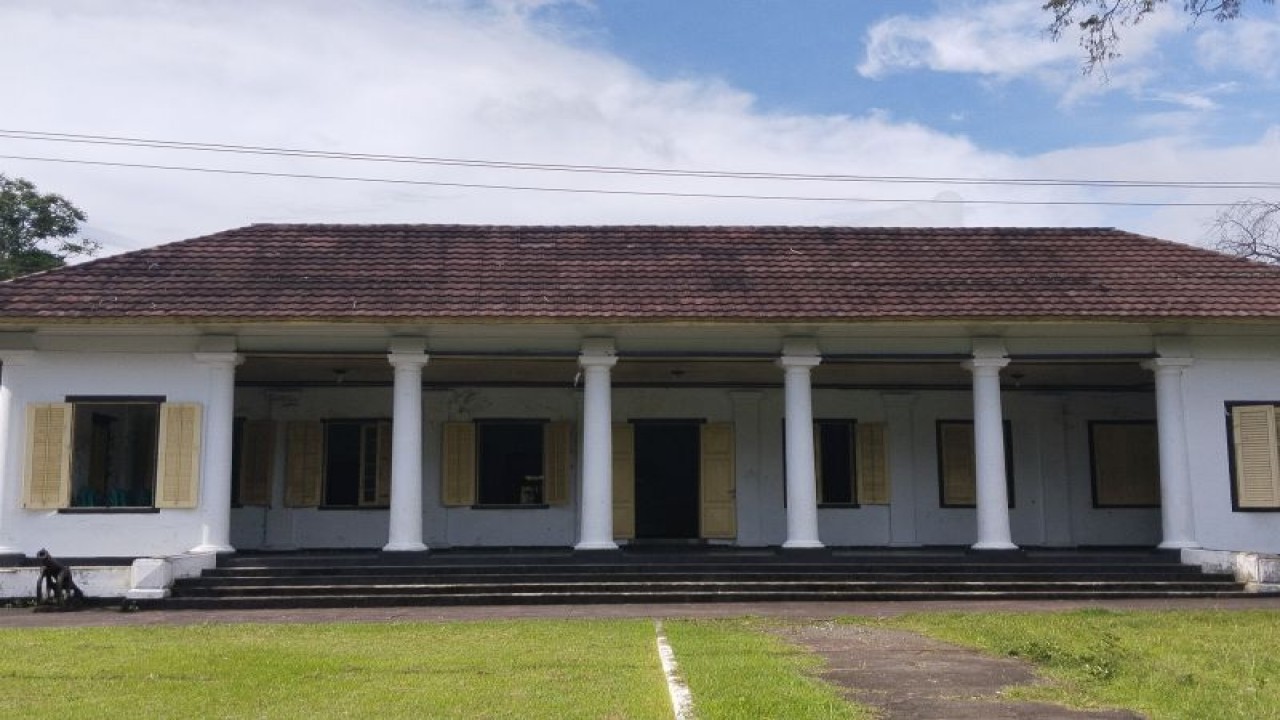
{"type": "Point", "coordinates": [1163, 664]}
{"type": "Point", "coordinates": [532, 669]}
{"type": "Point", "coordinates": [735, 670]}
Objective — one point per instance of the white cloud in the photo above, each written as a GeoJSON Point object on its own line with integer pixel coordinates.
{"type": "Point", "coordinates": [470, 80]}
{"type": "Point", "coordinates": [1243, 44]}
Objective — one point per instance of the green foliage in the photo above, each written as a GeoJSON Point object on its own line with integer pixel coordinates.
{"type": "Point", "coordinates": [531, 669]}
{"type": "Point", "coordinates": [1209, 664]}
{"type": "Point", "coordinates": [735, 670]}
{"type": "Point", "coordinates": [37, 231]}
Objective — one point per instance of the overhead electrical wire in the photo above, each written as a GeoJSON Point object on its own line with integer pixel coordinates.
{"type": "Point", "coordinates": [256, 150]}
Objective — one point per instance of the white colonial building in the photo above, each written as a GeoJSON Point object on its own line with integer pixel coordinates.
{"type": "Point", "coordinates": [415, 387]}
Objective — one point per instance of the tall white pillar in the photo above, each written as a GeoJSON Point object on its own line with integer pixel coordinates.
{"type": "Point", "coordinates": [595, 530]}
{"type": "Point", "coordinates": [404, 527]}
{"type": "Point", "coordinates": [1177, 520]}
{"type": "Point", "coordinates": [219, 431]}
{"type": "Point", "coordinates": [10, 477]}
{"type": "Point", "coordinates": [797, 360]}
{"type": "Point", "coordinates": [988, 440]}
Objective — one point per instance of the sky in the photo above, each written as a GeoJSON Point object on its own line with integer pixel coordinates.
{"type": "Point", "coordinates": [780, 112]}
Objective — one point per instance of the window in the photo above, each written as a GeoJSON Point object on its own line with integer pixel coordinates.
{"type": "Point", "coordinates": [506, 463]}
{"type": "Point", "coordinates": [357, 463]}
{"type": "Point", "coordinates": [957, 465]}
{"type": "Point", "coordinates": [112, 452]}
{"type": "Point", "coordinates": [850, 463]}
{"type": "Point", "coordinates": [1255, 465]}
{"type": "Point", "coordinates": [1125, 461]}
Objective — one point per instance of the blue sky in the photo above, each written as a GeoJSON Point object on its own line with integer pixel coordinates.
{"type": "Point", "coordinates": [922, 88]}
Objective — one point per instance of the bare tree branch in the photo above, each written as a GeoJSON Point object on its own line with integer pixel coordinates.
{"type": "Point", "coordinates": [1249, 229]}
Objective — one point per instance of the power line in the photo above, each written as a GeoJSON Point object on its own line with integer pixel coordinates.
{"type": "Point", "coordinates": [604, 191]}
{"type": "Point", "coordinates": [122, 141]}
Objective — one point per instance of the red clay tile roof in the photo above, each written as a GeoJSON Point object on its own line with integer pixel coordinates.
{"type": "Point", "coordinates": [392, 273]}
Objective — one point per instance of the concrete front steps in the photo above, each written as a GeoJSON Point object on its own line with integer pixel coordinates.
{"type": "Point", "coordinates": [372, 579]}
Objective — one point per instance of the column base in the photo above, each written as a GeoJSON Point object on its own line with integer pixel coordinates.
{"type": "Point", "coordinates": [596, 545]}
{"type": "Point", "coordinates": [404, 547]}
{"type": "Point", "coordinates": [1179, 545]}
{"type": "Point", "coordinates": [210, 548]}
{"type": "Point", "coordinates": [802, 545]}
{"type": "Point", "coordinates": [993, 545]}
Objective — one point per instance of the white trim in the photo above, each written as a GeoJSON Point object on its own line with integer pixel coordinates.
{"type": "Point", "coordinates": [681, 698]}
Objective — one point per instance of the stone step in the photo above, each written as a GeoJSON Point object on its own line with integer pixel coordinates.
{"type": "Point", "coordinates": [652, 596]}
{"type": "Point", "coordinates": [700, 587]}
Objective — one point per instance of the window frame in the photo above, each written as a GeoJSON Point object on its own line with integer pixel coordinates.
{"type": "Point", "coordinates": [1009, 476]}
{"type": "Point", "coordinates": [365, 424]}
{"type": "Point", "coordinates": [76, 401]}
{"type": "Point", "coordinates": [1232, 469]}
{"type": "Point", "coordinates": [480, 425]}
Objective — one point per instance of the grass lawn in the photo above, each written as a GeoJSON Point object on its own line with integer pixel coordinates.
{"type": "Point", "coordinates": [536, 669]}
{"type": "Point", "coordinates": [1163, 664]}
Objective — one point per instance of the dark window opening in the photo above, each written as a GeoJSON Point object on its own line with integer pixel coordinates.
{"type": "Point", "coordinates": [355, 462]}
{"type": "Point", "coordinates": [113, 461]}
{"type": "Point", "coordinates": [835, 463]}
{"type": "Point", "coordinates": [510, 463]}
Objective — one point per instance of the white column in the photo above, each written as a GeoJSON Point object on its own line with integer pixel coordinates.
{"type": "Point", "coordinates": [802, 490]}
{"type": "Point", "coordinates": [988, 440]}
{"type": "Point", "coordinates": [219, 429]}
{"type": "Point", "coordinates": [1176, 517]}
{"type": "Point", "coordinates": [596, 518]}
{"type": "Point", "coordinates": [404, 530]}
{"type": "Point", "coordinates": [10, 478]}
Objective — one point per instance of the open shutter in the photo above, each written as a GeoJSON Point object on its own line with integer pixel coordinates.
{"type": "Point", "coordinates": [257, 456]}
{"type": "Point", "coordinates": [304, 459]}
{"type": "Point", "coordinates": [178, 463]}
{"type": "Point", "coordinates": [459, 450]}
{"type": "Point", "coordinates": [873, 464]}
{"type": "Point", "coordinates": [382, 488]}
{"type": "Point", "coordinates": [557, 461]}
{"type": "Point", "coordinates": [1257, 464]}
{"type": "Point", "coordinates": [957, 464]}
{"type": "Point", "coordinates": [718, 488]}
{"type": "Point", "coordinates": [47, 480]}
{"type": "Point", "coordinates": [624, 481]}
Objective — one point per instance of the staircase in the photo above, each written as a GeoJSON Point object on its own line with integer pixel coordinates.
{"type": "Point", "coordinates": [469, 577]}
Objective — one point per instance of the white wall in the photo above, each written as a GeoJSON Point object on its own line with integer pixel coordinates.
{"type": "Point", "coordinates": [51, 376]}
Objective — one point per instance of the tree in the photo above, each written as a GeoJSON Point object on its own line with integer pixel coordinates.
{"type": "Point", "coordinates": [37, 231]}
{"type": "Point", "coordinates": [1250, 229]}
{"type": "Point", "coordinates": [1101, 21]}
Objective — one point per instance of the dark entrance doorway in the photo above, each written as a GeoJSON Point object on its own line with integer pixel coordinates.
{"type": "Point", "coordinates": [667, 468]}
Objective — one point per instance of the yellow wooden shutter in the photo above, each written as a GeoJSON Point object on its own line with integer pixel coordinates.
{"type": "Point", "coordinates": [257, 460]}
{"type": "Point", "coordinates": [1257, 463]}
{"type": "Point", "coordinates": [47, 480]}
{"type": "Point", "coordinates": [459, 464]}
{"type": "Point", "coordinates": [304, 462]}
{"type": "Point", "coordinates": [556, 460]}
{"type": "Point", "coordinates": [624, 481]}
{"type": "Point", "coordinates": [958, 465]}
{"type": "Point", "coordinates": [818, 477]}
{"type": "Point", "coordinates": [382, 489]}
{"type": "Point", "coordinates": [873, 464]}
{"type": "Point", "coordinates": [1126, 464]}
{"type": "Point", "coordinates": [178, 463]}
{"type": "Point", "coordinates": [719, 515]}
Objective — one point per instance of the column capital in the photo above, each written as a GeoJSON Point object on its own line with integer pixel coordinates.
{"type": "Point", "coordinates": [1174, 364]}
{"type": "Point", "coordinates": [985, 364]}
{"type": "Point", "coordinates": [218, 358]}
{"type": "Point", "coordinates": [400, 359]}
{"type": "Point", "coordinates": [16, 357]}
{"type": "Point", "coordinates": [598, 352]}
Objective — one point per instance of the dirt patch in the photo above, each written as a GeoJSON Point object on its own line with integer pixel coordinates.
{"type": "Point", "coordinates": [906, 675]}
